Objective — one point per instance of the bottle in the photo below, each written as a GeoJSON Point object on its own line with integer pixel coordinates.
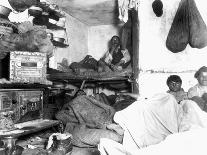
{"type": "Point", "coordinates": [9, 143]}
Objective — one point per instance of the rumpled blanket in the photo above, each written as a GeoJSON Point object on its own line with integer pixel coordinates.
{"type": "Point", "coordinates": [86, 118]}
{"type": "Point", "coordinates": [86, 110]}
{"type": "Point", "coordinates": [147, 123]}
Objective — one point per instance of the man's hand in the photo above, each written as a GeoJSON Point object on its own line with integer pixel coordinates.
{"type": "Point", "coordinates": [113, 48]}
{"type": "Point", "coordinates": [204, 96]}
{"type": "Point", "coordinates": [115, 127]}
{"type": "Point", "coordinates": [120, 63]}
{"type": "Point", "coordinates": [116, 68]}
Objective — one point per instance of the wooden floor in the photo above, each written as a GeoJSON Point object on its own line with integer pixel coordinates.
{"type": "Point", "coordinates": [84, 151]}
{"type": "Point", "coordinates": [75, 151]}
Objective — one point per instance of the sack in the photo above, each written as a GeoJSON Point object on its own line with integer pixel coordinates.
{"type": "Point", "coordinates": [198, 29]}
{"type": "Point", "coordinates": [187, 27]}
{"type": "Point", "coordinates": [178, 35]}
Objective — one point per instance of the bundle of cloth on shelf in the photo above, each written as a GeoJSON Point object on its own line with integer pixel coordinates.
{"type": "Point", "coordinates": [29, 38]}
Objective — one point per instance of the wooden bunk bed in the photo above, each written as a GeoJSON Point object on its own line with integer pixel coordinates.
{"type": "Point", "coordinates": [116, 81]}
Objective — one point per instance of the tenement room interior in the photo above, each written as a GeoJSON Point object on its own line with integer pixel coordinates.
{"type": "Point", "coordinates": [103, 77]}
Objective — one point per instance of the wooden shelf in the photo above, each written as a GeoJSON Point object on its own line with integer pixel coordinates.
{"type": "Point", "coordinates": [30, 127]}
{"type": "Point", "coordinates": [40, 21]}
{"type": "Point", "coordinates": [52, 13]}
{"type": "Point", "coordinates": [54, 27]}
{"type": "Point", "coordinates": [23, 86]}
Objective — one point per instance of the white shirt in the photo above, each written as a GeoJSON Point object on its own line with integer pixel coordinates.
{"type": "Point", "coordinates": [126, 56]}
{"type": "Point", "coordinates": [197, 90]}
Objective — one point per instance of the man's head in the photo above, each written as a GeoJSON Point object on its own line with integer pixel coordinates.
{"type": "Point", "coordinates": [174, 83]}
{"type": "Point", "coordinates": [201, 76]}
{"type": "Point", "coordinates": [115, 40]}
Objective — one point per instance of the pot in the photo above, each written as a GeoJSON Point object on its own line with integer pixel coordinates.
{"type": "Point", "coordinates": [42, 19]}
{"type": "Point", "coordinates": [4, 11]}
{"type": "Point", "coordinates": [52, 21]}
{"type": "Point", "coordinates": [50, 36]}
{"type": "Point", "coordinates": [60, 40]}
{"type": "Point", "coordinates": [61, 22]}
{"type": "Point", "coordinates": [35, 11]}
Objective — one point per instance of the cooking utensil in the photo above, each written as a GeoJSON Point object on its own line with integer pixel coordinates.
{"type": "Point", "coordinates": [60, 40]}
{"type": "Point", "coordinates": [50, 35]}
{"type": "Point", "coordinates": [35, 11]}
{"type": "Point", "coordinates": [4, 11]}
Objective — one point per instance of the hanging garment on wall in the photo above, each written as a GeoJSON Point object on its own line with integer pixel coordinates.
{"type": "Point", "coordinates": [198, 29]}
{"type": "Point", "coordinates": [187, 27]}
{"type": "Point", "coordinates": [126, 31]}
{"type": "Point", "coordinates": [178, 35]}
{"type": "Point", "coordinates": [124, 6]}
{"type": "Point", "coordinates": [123, 10]}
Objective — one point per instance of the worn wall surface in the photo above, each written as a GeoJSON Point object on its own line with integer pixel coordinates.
{"type": "Point", "coordinates": [99, 37]}
{"type": "Point", "coordinates": [156, 61]}
{"type": "Point", "coordinates": [77, 36]}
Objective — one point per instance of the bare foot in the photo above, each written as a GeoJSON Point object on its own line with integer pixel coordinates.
{"type": "Point", "coordinates": [115, 127]}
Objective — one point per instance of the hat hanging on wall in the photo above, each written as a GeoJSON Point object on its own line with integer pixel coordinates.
{"type": "Point", "coordinates": [157, 7]}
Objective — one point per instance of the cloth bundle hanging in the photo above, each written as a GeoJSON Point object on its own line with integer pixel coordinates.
{"type": "Point", "coordinates": [198, 29]}
{"type": "Point", "coordinates": [187, 27]}
{"type": "Point", "coordinates": [178, 35]}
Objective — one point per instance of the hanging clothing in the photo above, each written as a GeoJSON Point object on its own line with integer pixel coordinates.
{"type": "Point", "coordinates": [124, 6]}
{"type": "Point", "coordinates": [126, 32]}
{"type": "Point", "coordinates": [123, 10]}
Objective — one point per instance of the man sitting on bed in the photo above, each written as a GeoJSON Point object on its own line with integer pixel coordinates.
{"type": "Point", "coordinates": [115, 58]}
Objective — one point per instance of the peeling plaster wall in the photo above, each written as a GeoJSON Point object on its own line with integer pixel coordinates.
{"type": "Point", "coordinates": [155, 57]}
{"type": "Point", "coordinates": [98, 39]}
{"type": "Point", "coordinates": [77, 38]}
{"type": "Point", "coordinates": [77, 34]}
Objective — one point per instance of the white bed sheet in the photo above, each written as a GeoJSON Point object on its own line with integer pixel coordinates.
{"type": "Point", "coordinates": [147, 123]}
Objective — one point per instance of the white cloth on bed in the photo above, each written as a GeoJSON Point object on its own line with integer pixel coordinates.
{"type": "Point", "coordinates": [145, 117]}
{"type": "Point", "coordinates": [149, 122]}
{"type": "Point", "coordinates": [192, 142]}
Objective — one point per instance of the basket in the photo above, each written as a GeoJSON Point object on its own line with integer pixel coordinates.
{"type": "Point", "coordinates": [6, 27]}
